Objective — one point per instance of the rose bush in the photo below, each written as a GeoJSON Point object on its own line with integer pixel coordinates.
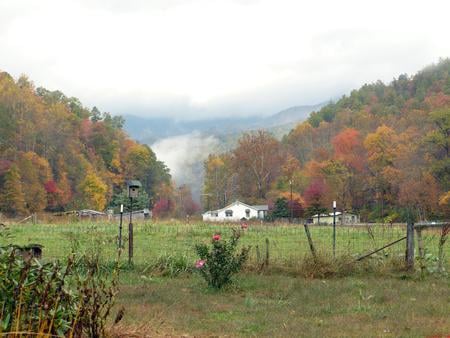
{"type": "Point", "coordinates": [220, 261]}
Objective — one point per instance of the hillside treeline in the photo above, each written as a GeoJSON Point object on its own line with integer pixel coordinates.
{"type": "Point", "coordinates": [382, 151]}
{"type": "Point", "coordinates": [55, 154]}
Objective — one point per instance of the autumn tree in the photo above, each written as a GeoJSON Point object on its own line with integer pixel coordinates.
{"type": "Point", "coordinates": [315, 197]}
{"type": "Point", "coordinates": [35, 172]}
{"type": "Point", "coordinates": [65, 190]}
{"type": "Point", "coordinates": [93, 192]}
{"type": "Point", "coordinates": [185, 206]}
{"type": "Point", "coordinates": [439, 140]}
{"type": "Point", "coordinates": [381, 149]}
{"type": "Point", "coordinates": [218, 186]}
{"type": "Point", "coordinates": [12, 198]}
{"type": "Point", "coordinates": [141, 163]}
{"type": "Point", "coordinates": [257, 161]}
{"type": "Point", "coordinates": [301, 141]}
{"type": "Point", "coordinates": [165, 202]}
{"type": "Point", "coordinates": [420, 196]}
{"type": "Point", "coordinates": [349, 149]}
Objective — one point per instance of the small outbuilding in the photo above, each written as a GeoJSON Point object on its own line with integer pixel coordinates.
{"type": "Point", "coordinates": [346, 218]}
{"type": "Point", "coordinates": [87, 213]}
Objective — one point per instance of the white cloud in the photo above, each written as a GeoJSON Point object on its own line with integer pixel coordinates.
{"type": "Point", "coordinates": [214, 57]}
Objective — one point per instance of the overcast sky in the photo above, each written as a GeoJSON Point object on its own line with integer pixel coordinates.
{"type": "Point", "coordinates": [205, 58]}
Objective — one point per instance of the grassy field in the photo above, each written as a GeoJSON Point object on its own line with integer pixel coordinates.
{"type": "Point", "coordinates": [162, 297]}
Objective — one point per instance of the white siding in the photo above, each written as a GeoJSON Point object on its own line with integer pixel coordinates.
{"type": "Point", "coordinates": [328, 219]}
{"type": "Point", "coordinates": [234, 212]}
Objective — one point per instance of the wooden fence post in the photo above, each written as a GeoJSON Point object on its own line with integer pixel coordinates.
{"type": "Point", "coordinates": [266, 262]}
{"type": "Point", "coordinates": [130, 243]}
{"type": "Point", "coordinates": [410, 245]}
{"type": "Point", "coordinates": [311, 245]}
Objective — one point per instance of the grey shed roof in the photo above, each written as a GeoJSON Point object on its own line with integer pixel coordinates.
{"type": "Point", "coordinates": [261, 207]}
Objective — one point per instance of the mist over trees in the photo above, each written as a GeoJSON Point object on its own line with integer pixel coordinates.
{"type": "Point", "coordinates": [382, 151]}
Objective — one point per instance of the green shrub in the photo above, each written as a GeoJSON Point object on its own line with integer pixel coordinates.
{"type": "Point", "coordinates": [220, 261]}
{"type": "Point", "coordinates": [169, 265]}
{"type": "Point", "coordinates": [53, 298]}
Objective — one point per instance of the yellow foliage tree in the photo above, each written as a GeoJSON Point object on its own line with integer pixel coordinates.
{"type": "Point", "coordinates": [93, 191]}
{"type": "Point", "coordinates": [34, 171]}
{"type": "Point", "coordinates": [12, 199]}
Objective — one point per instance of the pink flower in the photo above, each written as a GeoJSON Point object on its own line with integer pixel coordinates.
{"type": "Point", "coordinates": [244, 225]}
{"type": "Point", "coordinates": [200, 263]}
{"type": "Point", "coordinates": [216, 237]}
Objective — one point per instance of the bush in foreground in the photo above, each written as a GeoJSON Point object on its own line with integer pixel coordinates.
{"type": "Point", "coordinates": [54, 298]}
{"type": "Point", "coordinates": [220, 261]}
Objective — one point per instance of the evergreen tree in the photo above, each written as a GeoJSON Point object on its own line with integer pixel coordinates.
{"type": "Point", "coordinates": [141, 202]}
{"type": "Point", "coordinates": [281, 208]}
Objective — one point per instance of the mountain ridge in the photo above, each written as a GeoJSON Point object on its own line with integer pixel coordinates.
{"type": "Point", "coordinates": [150, 130]}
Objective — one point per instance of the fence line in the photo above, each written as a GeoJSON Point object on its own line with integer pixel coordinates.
{"type": "Point", "coordinates": [288, 243]}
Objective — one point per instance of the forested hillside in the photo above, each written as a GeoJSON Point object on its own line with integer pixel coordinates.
{"type": "Point", "coordinates": [382, 151]}
{"type": "Point", "coordinates": [55, 154]}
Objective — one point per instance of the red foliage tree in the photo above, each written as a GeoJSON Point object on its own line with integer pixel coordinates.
{"type": "Point", "coordinates": [315, 196]}
{"type": "Point", "coordinates": [348, 148]}
{"type": "Point", "coordinates": [162, 208]}
{"type": "Point", "coordinates": [51, 187]}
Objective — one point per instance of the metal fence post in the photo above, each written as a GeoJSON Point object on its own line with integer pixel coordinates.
{"type": "Point", "coordinates": [120, 226]}
{"type": "Point", "coordinates": [410, 245]}
{"type": "Point", "coordinates": [334, 229]}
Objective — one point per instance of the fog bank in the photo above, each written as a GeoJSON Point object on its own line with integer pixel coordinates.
{"type": "Point", "coordinates": [184, 155]}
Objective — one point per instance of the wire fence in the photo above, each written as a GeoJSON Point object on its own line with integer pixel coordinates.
{"type": "Point", "coordinates": [286, 244]}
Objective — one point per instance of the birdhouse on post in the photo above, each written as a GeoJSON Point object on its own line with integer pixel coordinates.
{"type": "Point", "coordinates": [133, 188]}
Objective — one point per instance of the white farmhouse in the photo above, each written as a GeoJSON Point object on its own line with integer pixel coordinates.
{"type": "Point", "coordinates": [348, 218]}
{"type": "Point", "coordinates": [235, 212]}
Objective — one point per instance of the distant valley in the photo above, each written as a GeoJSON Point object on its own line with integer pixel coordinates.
{"type": "Point", "coordinates": [183, 145]}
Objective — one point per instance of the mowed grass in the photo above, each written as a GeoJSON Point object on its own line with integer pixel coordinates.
{"type": "Point", "coordinates": [283, 306]}
{"type": "Point", "coordinates": [276, 302]}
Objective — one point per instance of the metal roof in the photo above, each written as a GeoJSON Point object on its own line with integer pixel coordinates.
{"type": "Point", "coordinates": [260, 207]}
{"type": "Point", "coordinates": [255, 207]}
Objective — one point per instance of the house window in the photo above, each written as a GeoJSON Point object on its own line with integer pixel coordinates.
{"type": "Point", "coordinates": [228, 213]}
{"type": "Point", "coordinates": [215, 214]}
{"type": "Point", "coordinates": [247, 213]}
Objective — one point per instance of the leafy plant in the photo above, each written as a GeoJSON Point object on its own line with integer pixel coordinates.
{"type": "Point", "coordinates": [220, 261]}
{"type": "Point", "coordinates": [53, 298]}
